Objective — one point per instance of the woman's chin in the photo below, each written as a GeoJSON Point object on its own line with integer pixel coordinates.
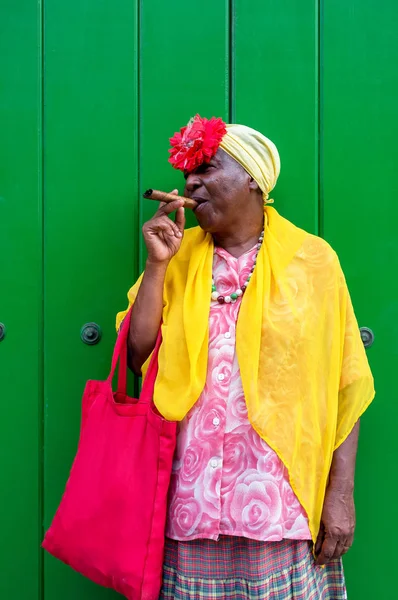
{"type": "Point", "coordinates": [206, 218]}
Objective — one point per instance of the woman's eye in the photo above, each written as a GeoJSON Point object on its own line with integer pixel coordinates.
{"type": "Point", "coordinates": [201, 169]}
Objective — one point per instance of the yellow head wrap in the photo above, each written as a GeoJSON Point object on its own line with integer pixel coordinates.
{"type": "Point", "coordinates": [256, 153]}
{"type": "Point", "coordinates": [304, 370]}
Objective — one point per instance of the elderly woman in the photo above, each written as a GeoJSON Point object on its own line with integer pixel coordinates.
{"type": "Point", "coordinates": [263, 366]}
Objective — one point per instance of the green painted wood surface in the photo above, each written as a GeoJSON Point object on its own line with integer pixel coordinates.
{"type": "Point", "coordinates": [119, 78]}
{"type": "Point", "coordinates": [91, 222]}
{"type": "Point", "coordinates": [179, 77]}
{"type": "Point", "coordinates": [20, 299]}
{"type": "Point", "coordinates": [360, 129]}
{"type": "Point", "coordinates": [275, 90]}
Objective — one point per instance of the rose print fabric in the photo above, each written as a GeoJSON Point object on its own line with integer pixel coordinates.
{"type": "Point", "coordinates": [226, 480]}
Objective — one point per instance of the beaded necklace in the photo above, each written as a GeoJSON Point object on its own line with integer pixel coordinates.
{"type": "Point", "coordinates": [217, 297]}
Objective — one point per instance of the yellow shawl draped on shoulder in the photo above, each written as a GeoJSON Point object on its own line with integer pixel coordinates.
{"type": "Point", "coordinates": [304, 370]}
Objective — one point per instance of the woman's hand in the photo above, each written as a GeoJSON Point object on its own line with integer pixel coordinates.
{"type": "Point", "coordinates": [163, 236]}
{"type": "Point", "coordinates": [336, 533]}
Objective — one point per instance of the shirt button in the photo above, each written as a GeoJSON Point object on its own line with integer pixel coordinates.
{"type": "Point", "coordinates": [227, 335]}
{"type": "Point", "coordinates": [214, 463]}
{"type": "Point", "coordinates": [216, 421]}
{"type": "Point", "coordinates": [221, 377]}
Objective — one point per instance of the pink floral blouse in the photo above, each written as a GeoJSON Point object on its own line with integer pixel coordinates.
{"type": "Point", "coordinates": [226, 480]}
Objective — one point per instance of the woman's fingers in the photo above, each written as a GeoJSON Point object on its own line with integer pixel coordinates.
{"type": "Point", "coordinates": [162, 234]}
{"type": "Point", "coordinates": [180, 219]}
{"type": "Point", "coordinates": [180, 216]}
{"type": "Point", "coordinates": [168, 207]}
{"type": "Point", "coordinates": [161, 221]}
{"type": "Point", "coordinates": [320, 538]}
{"type": "Point", "coordinates": [165, 209]}
{"type": "Point", "coordinates": [166, 226]}
{"type": "Point", "coordinates": [327, 551]}
{"type": "Point", "coordinates": [340, 549]}
{"type": "Point", "coordinates": [347, 544]}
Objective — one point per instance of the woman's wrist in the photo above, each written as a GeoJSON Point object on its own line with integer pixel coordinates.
{"type": "Point", "coordinates": [343, 485]}
{"type": "Point", "coordinates": [156, 267]}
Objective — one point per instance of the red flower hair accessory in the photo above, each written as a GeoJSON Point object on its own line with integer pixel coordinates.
{"type": "Point", "coordinates": [196, 143]}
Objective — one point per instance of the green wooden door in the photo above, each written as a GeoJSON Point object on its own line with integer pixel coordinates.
{"type": "Point", "coordinates": [91, 222]}
{"type": "Point", "coordinates": [21, 299]}
{"type": "Point", "coordinates": [359, 187]}
{"type": "Point", "coordinates": [92, 92]}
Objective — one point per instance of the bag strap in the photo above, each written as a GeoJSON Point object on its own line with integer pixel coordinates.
{"type": "Point", "coordinates": [150, 378]}
{"type": "Point", "coordinates": [120, 355]}
{"type": "Point", "coordinates": [120, 345]}
{"type": "Point", "coordinates": [123, 355]}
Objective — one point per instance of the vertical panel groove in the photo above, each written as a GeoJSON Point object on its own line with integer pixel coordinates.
{"type": "Point", "coordinates": [319, 116]}
{"type": "Point", "coordinates": [139, 252]}
{"type": "Point", "coordinates": [231, 61]}
{"type": "Point", "coordinates": [138, 258]}
{"type": "Point", "coordinates": [40, 448]}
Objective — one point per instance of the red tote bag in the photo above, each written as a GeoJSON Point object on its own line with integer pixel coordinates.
{"type": "Point", "coordinates": [111, 521]}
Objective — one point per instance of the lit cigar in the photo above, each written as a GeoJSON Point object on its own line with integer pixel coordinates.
{"type": "Point", "coordinates": [164, 197]}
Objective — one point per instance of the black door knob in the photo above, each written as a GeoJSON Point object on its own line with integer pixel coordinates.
{"type": "Point", "coordinates": [90, 333]}
{"type": "Point", "coordinates": [367, 336]}
{"type": "Point", "coordinates": [2, 331]}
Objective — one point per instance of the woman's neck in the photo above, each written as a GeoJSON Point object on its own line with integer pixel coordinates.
{"type": "Point", "coordinates": [240, 240]}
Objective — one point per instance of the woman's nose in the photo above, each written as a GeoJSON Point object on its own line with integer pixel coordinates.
{"type": "Point", "coordinates": [192, 183]}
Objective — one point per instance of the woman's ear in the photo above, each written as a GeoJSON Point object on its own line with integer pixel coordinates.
{"type": "Point", "coordinates": [253, 185]}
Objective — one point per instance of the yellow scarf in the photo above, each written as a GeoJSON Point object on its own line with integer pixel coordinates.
{"type": "Point", "coordinates": [304, 371]}
{"type": "Point", "coordinates": [257, 154]}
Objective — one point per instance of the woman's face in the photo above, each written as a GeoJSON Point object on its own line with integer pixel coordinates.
{"type": "Point", "coordinates": [223, 190]}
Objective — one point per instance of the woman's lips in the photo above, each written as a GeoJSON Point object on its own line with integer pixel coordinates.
{"type": "Point", "coordinates": [201, 207]}
{"type": "Point", "coordinates": [201, 202]}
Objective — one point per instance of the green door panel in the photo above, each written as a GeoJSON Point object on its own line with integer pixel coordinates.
{"type": "Point", "coordinates": [360, 186]}
{"type": "Point", "coordinates": [20, 299]}
{"type": "Point", "coordinates": [91, 223]}
{"type": "Point", "coordinates": [275, 90]}
{"type": "Point", "coordinates": [184, 66]}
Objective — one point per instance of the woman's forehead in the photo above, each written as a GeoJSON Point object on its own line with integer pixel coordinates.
{"type": "Point", "coordinates": [226, 161]}
{"type": "Point", "coordinates": [221, 160]}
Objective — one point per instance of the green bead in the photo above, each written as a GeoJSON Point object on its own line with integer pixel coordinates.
{"type": "Point", "coordinates": [234, 296]}
{"type": "Point", "coordinates": [213, 288]}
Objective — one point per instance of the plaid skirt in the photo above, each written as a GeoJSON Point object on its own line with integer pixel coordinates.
{"type": "Point", "coordinates": [236, 568]}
